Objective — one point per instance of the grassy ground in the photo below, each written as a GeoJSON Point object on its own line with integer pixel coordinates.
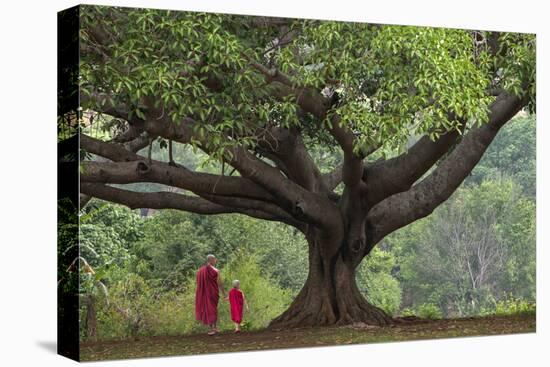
{"type": "Point", "coordinates": [266, 339]}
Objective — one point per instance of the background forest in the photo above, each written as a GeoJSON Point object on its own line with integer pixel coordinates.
{"type": "Point", "coordinates": [475, 255]}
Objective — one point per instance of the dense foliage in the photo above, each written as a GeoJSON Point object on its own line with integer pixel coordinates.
{"type": "Point", "coordinates": [137, 59]}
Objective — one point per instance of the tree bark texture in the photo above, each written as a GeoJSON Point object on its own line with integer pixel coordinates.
{"type": "Point", "coordinates": [330, 295]}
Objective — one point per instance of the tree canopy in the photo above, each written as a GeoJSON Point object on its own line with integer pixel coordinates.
{"type": "Point", "coordinates": [237, 76]}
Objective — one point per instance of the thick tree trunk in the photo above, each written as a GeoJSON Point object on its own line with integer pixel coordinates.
{"type": "Point", "coordinates": [330, 296]}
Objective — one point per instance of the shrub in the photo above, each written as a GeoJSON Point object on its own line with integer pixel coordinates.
{"type": "Point", "coordinates": [429, 311]}
{"type": "Point", "coordinates": [375, 280]}
{"type": "Point", "coordinates": [515, 306]}
{"type": "Point", "coordinates": [263, 295]}
{"type": "Point", "coordinates": [407, 312]}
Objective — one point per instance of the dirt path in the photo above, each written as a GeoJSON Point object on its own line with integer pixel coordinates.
{"type": "Point", "coordinates": [266, 339]}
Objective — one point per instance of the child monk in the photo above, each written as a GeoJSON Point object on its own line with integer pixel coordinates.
{"type": "Point", "coordinates": [237, 301]}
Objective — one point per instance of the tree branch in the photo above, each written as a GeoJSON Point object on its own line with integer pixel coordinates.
{"type": "Point", "coordinates": [406, 207]}
{"type": "Point", "coordinates": [165, 200]}
{"type": "Point", "coordinates": [302, 204]}
{"type": "Point", "coordinates": [313, 102]}
{"type": "Point", "coordinates": [256, 205]}
{"type": "Point", "coordinates": [120, 111]}
{"type": "Point", "coordinates": [202, 184]}
{"type": "Point", "coordinates": [138, 143]}
{"type": "Point", "coordinates": [138, 170]}
{"type": "Point", "coordinates": [286, 148]}
{"type": "Point", "coordinates": [386, 178]}
{"type": "Point", "coordinates": [333, 178]}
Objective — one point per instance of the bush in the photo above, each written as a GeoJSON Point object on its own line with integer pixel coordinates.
{"type": "Point", "coordinates": [263, 295]}
{"type": "Point", "coordinates": [383, 291]}
{"type": "Point", "coordinates": [131, 302]}
{"type": "Point", "coordinates": [375, 280]}
{"type": "Point", "coordinates": [407, 312]}
{"type": "Point", "coordinates": [429, 311]}
{"type": "Point", "coordinates": [137, 309]}
{"type": "Point", "coordinates": [515, 306]}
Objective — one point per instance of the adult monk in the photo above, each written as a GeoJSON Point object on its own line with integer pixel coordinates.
{"type": "Point", "coordinates": [209, 285]}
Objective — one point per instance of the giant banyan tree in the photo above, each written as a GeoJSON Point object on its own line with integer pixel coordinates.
{"type": "Point", "coordinates": [410, 110]}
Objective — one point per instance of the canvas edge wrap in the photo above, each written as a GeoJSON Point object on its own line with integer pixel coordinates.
{"type": "Point", "coordinates": [68, 25]}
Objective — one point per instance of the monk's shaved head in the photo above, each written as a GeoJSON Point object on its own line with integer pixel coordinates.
{"type": "Point", "coordinates": [210, 258]}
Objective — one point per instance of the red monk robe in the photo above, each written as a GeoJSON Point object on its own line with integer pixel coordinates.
{"type": "Point", "coordinates": [207, 295]}
{"type": "Point", "coordinates": [236, 300]}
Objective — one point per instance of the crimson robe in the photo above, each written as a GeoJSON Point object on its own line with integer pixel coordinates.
{"type": "Point", "coordinates": [207, 295]}
{"type": "Point", "coordinates": [236, 300]}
